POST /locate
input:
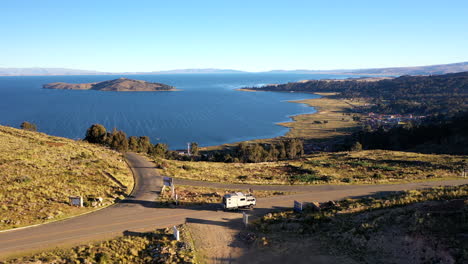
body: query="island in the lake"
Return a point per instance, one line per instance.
(117, 85)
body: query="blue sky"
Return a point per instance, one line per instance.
(253, 35)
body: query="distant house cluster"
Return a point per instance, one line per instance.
(388, 121)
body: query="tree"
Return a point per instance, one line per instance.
(242, 152)
(159, 150)
(194, 149)
(28, 126)
(144, 144)
(96, 134)
(257, 153)
(281, 150)
(294, 148)
(356, 146)
(273, 153)
(133, 143)
(119, 141)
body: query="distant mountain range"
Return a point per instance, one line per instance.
(45, 71)
(417, 70)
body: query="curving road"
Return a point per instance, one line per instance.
(138, 213)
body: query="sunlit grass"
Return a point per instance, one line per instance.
(149, 247)
(332, 119)
(39, 172)
(367, 167)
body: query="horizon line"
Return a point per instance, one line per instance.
(206, 70)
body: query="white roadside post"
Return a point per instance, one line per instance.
(172, 189)
(245, 218)
(176, 233)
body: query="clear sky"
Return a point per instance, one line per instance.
(254, 35)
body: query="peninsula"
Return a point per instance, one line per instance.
(116, 85)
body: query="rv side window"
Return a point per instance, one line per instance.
(242, 199)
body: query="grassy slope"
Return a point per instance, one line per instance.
(371, 166)
(39, 173)
(150, 247)
(417, 226)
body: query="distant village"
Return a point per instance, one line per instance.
(388, 121)
(372, 120)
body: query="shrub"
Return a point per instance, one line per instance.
(383, 167)
(119, 141)
(327, 178)
(96, 134)
(28, 126)
(23, 179)
(357, 146)
(305, 178)
(242, 177)
(347, 180)
(377, 176)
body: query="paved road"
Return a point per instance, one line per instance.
(293, 188)
(137, 213)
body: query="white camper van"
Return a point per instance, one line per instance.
(238, 200)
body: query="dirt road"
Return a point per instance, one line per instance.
(138, 213)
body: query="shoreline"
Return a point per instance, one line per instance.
(332, 118)
(306, 126)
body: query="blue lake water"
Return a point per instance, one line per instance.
(208, 110)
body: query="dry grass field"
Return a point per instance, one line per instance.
(368, 167)
(149, 247)
(38, 173)
(415, 226)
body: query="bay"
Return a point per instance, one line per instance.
(207, 110)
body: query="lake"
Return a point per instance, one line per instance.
(207, 110)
